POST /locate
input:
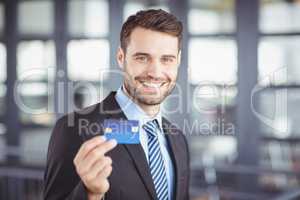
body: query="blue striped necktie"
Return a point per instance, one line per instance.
(156, 162)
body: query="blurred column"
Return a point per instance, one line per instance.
(180, 8)
(12, 111)
(61, 80)
(247, 130)
(115, 24)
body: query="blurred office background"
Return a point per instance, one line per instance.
(239, 79)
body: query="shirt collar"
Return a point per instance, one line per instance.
(132, 110)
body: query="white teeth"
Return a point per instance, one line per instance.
(155, 85)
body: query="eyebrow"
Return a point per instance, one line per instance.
(140, 54)
(169, 56)
(146, 54)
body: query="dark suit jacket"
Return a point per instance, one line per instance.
(130, 178)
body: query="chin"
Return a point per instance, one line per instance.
(151, 99)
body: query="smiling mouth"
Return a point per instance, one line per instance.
(152, 84)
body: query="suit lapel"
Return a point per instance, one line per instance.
(136, 152)
(172, 142)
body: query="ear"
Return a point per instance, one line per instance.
(120, 57)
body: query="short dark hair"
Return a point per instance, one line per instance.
(153, 19)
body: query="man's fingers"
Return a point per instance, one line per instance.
(84, 165)
(89, 146)
(103, 174)
(98, 152)
(97, 167)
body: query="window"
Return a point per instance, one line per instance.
(278, 90)
(212, 78)
(278, 112)
(33, 146)
(279, 60)
(133, 6)
(88, 50)
(36, 103)
(280, 157)
(213, 61)
(36, 17)
(88, 60)
(206, 17)
(88, 18)
(36, 70)
(279, 16)
(36, 60)
(213, 150)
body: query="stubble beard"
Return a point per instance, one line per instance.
(147, 99)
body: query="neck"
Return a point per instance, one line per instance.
(150, 110)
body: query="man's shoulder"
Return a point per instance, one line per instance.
(96, 110)
(83, 113)
(87, 121)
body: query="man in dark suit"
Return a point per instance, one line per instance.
(82, 164)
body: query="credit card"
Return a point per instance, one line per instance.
(123, 131)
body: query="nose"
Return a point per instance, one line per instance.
(154, 68)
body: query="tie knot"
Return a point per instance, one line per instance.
(150, 127)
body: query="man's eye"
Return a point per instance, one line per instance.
(167, 60)
(142, 58)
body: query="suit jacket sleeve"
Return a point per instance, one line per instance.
(61, 180)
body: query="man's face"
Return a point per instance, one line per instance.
(150, 65)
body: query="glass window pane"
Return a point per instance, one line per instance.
(210, 151)
(1, 18)
(33, 147)
(280, 156)
(87, 59)
(3, 72)
(278, 112)
(88, 18)
(211, 16)
(214, 108)
(211, 121)
(36, 17)
(279, 16)
(279, 60)
(36, 60)
(36, 103)
(131, 7)
(212, 61)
